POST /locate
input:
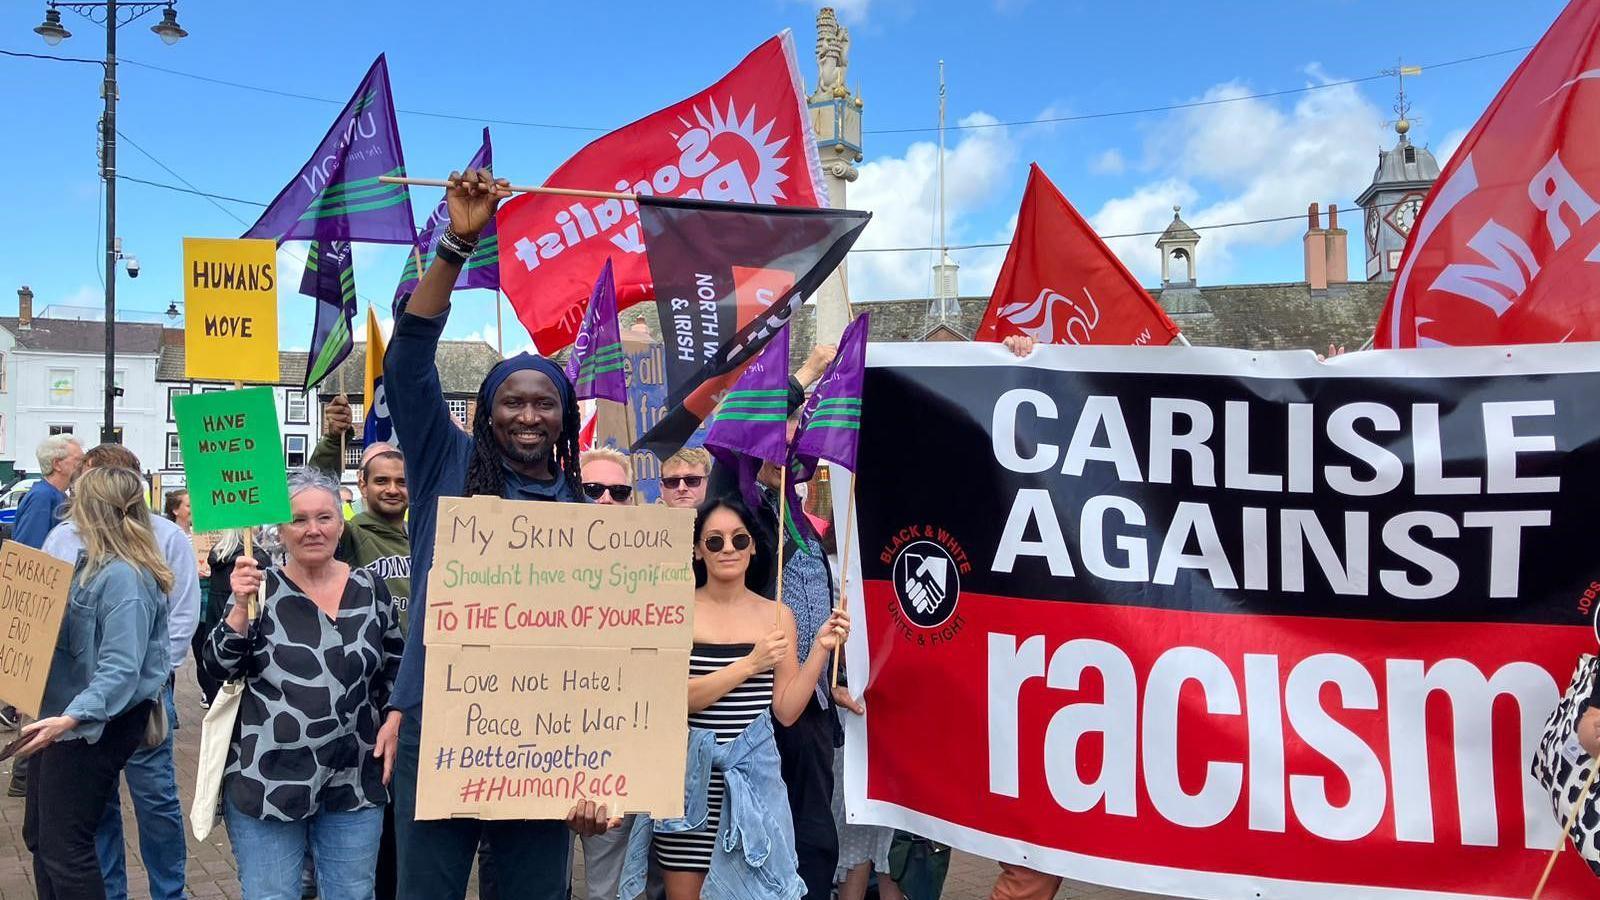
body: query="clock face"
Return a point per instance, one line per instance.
(1372, 231)
(1404, 214)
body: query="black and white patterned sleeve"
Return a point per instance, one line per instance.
(394, 643)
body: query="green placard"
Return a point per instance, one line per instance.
(233, 458)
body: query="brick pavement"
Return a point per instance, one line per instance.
(212, 873)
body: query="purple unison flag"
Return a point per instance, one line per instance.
(337, 194)
(751, 423)
(483, 269)
(331, 279)
(596, 366)
(830, 424)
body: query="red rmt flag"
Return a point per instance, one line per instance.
(746, 138)
(1061, 284)
(1506, 249)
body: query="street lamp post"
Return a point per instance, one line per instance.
(113, 15)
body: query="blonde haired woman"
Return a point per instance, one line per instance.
(109, 667)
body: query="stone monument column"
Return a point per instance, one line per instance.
(836, 121)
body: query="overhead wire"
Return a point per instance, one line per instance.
(1040, 120)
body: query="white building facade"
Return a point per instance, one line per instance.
(52, 381)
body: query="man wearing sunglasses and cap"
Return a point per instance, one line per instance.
(523, 445)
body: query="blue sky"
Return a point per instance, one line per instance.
(603, 64)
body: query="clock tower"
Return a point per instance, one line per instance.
(1391, 202)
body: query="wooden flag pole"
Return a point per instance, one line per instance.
(783, 533)
(249, 546)
(499, 331)
(515, 188)
(844, 567)
(1566, 830)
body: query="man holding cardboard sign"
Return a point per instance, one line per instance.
(523, 446)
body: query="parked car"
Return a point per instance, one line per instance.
(8, 502)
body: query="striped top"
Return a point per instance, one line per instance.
(727, 718)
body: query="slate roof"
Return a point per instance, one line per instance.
(1281, 316)
(79, 336)
(291, 365)
(1178, 232)
(462, 365)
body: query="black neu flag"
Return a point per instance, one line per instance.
(727, 277)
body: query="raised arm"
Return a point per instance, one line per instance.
(410, 373)
(795, 683)
(472, 203)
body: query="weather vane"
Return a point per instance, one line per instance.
(1402, 122)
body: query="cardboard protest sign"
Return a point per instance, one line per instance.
(558, 659)
(232, 458)
(33, 600)
(520, 573)
(230, 296)
(516, 732)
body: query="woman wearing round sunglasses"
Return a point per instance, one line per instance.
(742, 664)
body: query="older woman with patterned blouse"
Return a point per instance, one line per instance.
(309, 766)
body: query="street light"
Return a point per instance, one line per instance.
(51, 29)
(113, 14)
(169, 30)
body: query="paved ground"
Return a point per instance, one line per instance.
(211, 868)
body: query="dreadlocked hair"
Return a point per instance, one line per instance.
(486, 469)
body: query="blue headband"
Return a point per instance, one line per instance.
(525, 362)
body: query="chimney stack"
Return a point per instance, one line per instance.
(1338, 248)
(1316, 244)
(24, 307)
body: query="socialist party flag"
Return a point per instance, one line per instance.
(337, 194)
(1061, 284)
(331, 279)
(378, 426)
(1506, 246)
(746, 138)
(483, 268)
(728, 277)
(830, 423)
(751, 423)
(596, 365)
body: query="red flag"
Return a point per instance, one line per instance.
(746, 138)
(1506, 249)
(1062, 285)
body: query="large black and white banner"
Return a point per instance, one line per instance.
(1221, 623)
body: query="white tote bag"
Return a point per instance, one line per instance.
(216, 735)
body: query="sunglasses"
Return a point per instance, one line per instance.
(594, 490)
(715, 543)
(691, 482)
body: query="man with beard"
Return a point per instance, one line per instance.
(523, 445)
(375, 538)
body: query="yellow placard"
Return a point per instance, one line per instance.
(230, 296)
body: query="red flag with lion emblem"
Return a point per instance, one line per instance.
(1062, 285)
(1506, 249)
(746, 138)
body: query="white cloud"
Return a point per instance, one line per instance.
(1244, 160)
(1108, 163)
(850, 11)
(901, 193)
(1449, 146)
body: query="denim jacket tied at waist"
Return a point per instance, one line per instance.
(754, 858)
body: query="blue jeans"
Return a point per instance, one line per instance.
(532, 858)
(153, 784)
(270, 854)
